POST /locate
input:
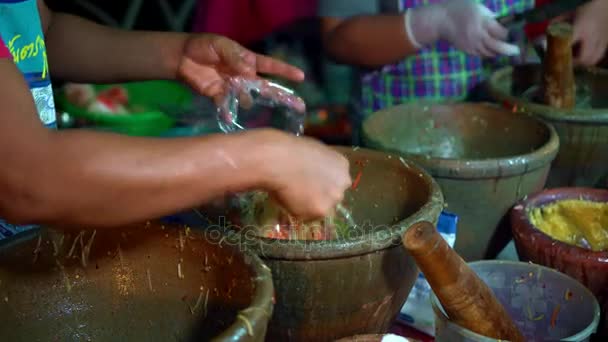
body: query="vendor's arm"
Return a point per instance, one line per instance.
(82, 51)
(355, 33)
(97, 179)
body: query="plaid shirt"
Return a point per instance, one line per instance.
(437, 72)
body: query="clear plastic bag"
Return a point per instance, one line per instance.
(249, 94)
(257, 210)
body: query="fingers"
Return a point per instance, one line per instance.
(245, 99)
(234, 57)
(494, 39)
(215, 89)
(289, 100)
(496, 30)
(203, 80)
(591, 49)
(498, 47)
(483, 50)
(589, 53)
(243, 62)
(271, 66)
(487, 37)
(486, 12)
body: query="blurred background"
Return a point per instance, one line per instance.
(286, 29)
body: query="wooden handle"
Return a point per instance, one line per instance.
(559, 86)
(466, 299)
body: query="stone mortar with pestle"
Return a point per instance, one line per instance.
(467, 300)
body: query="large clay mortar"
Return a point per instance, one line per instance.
(140, 283)
(326, 290)
(484, 158)
(583, 131)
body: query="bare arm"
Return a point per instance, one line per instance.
(82, 51)
(368, 40)
(377, 40)
(85, 178)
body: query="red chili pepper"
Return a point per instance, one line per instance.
(357, 180)
(554, 316)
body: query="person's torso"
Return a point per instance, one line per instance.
(21, 31)
(436, 72)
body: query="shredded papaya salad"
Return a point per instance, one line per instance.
(268, 219)
(257, 211)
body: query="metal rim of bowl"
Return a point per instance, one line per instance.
(588, 331)
(520, 213)
(482, 168)
(582, 116)
(387, 237)
(261, 303)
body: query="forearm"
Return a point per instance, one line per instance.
(96, 180)
(82, 51)
(369, 41)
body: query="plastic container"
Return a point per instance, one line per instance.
(156, 96)
(545, 304)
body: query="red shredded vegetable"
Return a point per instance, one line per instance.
(357, 180)
(554, 316)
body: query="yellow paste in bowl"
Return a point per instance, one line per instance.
(576, 222)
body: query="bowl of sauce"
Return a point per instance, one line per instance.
(567, 229)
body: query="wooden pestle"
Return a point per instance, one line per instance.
(466, 299)
(559, 86)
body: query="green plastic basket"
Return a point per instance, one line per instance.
(152, 95)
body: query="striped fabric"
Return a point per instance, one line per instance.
(437, 72)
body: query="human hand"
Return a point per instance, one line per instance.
(208, 60)
(466, 24)
(307, 178)
(591, 32)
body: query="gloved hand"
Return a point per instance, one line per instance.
(466, 24)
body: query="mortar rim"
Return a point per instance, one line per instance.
(387, 237)
(584, 116)
(478, 168)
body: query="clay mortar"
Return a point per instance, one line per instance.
(326, 290)
(130, 288)
(583, 131)
(484, 158)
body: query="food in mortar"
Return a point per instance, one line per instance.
(267, 218)
(576, 222)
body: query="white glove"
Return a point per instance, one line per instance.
(466, 24)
